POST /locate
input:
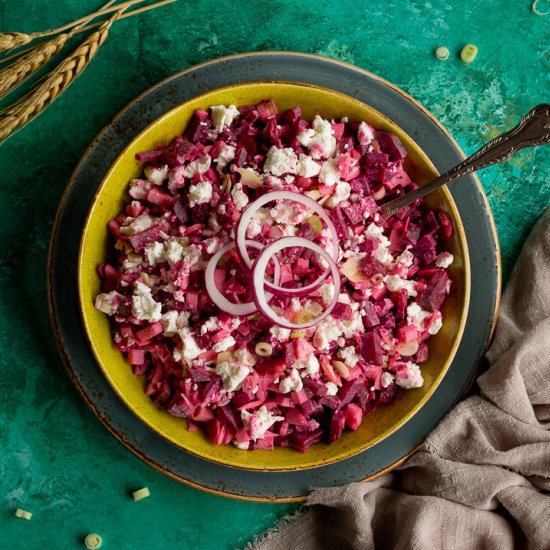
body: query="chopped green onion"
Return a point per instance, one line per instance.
(93, 541)
(263, 349)
(442, 52)
(297, 334)
(141, 493)
(23, 514)
(468, 53)
(316, 225)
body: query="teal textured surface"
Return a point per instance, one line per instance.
(55, 458)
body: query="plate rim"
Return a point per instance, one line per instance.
(51, 305)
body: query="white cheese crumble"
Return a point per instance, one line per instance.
(199, 166)
(341, 193)
(144, 306)
(259, 422)
(319, 139)
(354, 326)
(283, 212)
(332, 388)
(406, 258)
(307, 167)
(279, 333)
(281, 161)
(327, 293)
(444, 259)
(137, 225)
(108, 302)
(199, 193)
(408, 376)
(330, 173)
(239, 196)
(173, 322)
(223, 116)
(210, 325)
(382, 254)
(310, 365)
(244, 357)
(292, 382)
(386, 379)
(224, 345)
(437, 324)
(156, 175)
(395, 283)
(189, 347)
(225, 156)
(232, 375)
(327, 331)
(365, 133)
(349, 356)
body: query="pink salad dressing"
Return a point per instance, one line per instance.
(239, 347)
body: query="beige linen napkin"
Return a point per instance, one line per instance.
(482, 477)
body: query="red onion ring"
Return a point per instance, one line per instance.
(244, 222)
(258, 278)
(237, 310)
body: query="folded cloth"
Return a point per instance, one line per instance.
(482, 477)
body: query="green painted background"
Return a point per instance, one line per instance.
(56, 460)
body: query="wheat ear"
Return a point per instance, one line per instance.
(26, 109)
(10, 40)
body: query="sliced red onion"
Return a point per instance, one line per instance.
(218, 298)
(258, 278)
(247, 216)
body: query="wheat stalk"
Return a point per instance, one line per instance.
(11, 40)
(17, 72)
(25, 110)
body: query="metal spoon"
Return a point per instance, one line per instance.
(534, 129)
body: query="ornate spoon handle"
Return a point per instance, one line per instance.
(534, 129)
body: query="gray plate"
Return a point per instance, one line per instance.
(394, 103)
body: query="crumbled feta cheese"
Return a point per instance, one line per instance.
(349, 356)
(386, 379)
(199, 166)
(239, 196)
(199, 193)
(156, 175)
(332, 388)
(281, 161)
(173, 251)
(210, 325)
(189, 348)
(132, 261)
(290, 230)
(307, 167)
(381, 253)
(137, 225)
(344, 298)
(168, 321)
(408, 376)
(254, 228)
(244, 357)
(395, 283)
(155, 253)
(224, 345)
(341, 193)
(406, 258)
(327, 331)
(444, 259)
(437, 324)
(327, 293)
(310, 365)
(259, 422)
(319, 139)
(109, 302)
(292, 382)
(232, 375)
(223, 116)
(283, 212)
(330, 173)
(354, 326)
(225, 156)
(365, 133)
(144, 306)
(279, 333)
(213, 245)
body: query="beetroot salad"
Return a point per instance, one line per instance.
(254, 286)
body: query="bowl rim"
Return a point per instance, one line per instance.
(346, 453)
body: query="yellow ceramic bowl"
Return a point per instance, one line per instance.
(112, 197)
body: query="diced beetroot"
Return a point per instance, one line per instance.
(311, 407)
(295, 417)
(266, 110)
(371, 348)
(136, 357)
(339, 223)
(250, 405)
(370, 317)
(216, 431)
(353, 415)
(299, 397)
(425, 248)
(266, 443)
(387, 394)
(338, 130)
(391, 145)
(160, 197)
(302, 348)
(325, 190)
(140, 240)
(301, 267)
(342, 311)
(407, 333)
(421, 355)
(446, 224)
(371, 266)
(315, 385)
(349, 168)
(330, 401)
(242, 436)
(111, 276)
(283, 401)
(337, 424)
(349, 390)
(147, 333)
(203, 414)
(230, 417)
(302, 441)
(151, 156)
(327, 368)
(436, 290)
(400, 298)
(271, 369)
